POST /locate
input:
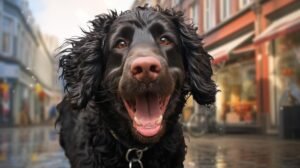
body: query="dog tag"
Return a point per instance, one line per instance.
(136, 156)
(136, 161)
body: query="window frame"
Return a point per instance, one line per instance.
(12, 34)
(225, 5)
(195, 14)
(209, 14)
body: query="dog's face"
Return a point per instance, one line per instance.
(145, 55)
(139, 65)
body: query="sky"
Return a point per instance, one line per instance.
(63, 18)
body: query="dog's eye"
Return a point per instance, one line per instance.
(121, 44)
(164, 41)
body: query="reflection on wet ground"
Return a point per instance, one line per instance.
(242, 151)
(35, 147)
(38, 148)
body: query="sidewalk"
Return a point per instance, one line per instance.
(239, 151)
(37, 147)
(31, 147)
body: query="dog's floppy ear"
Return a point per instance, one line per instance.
(197, 63)
(82, 62)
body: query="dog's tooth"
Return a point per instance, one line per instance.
(159, 120)
(137, 121)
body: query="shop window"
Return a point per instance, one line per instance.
(225, 9)
(287, 69)
(237, 100)
(209, 14)
(5, 102)
(25, 109)
(7, 35)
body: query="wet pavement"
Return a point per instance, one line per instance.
(35, 147)
(242, 151)
(38, 147)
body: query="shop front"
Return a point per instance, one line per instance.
(286, 79)
(282, 37)
(5, 102)
(235, 76)
(236, 101)
(8, 74)
(22, 98)
(22, 104)
(41, 100)
(287, 61)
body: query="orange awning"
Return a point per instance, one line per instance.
(244, 49)
(285, 25)
(222, 52)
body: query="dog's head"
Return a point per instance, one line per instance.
(142, 63)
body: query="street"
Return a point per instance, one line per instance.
(33, 147)
(37, 147)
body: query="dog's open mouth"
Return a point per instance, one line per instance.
(147, 113)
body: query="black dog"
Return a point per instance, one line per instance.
(126, 83)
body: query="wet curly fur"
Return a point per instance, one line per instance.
(89, 110)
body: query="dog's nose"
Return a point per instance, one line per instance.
(145, 69)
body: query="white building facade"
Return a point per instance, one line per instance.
(27, 71)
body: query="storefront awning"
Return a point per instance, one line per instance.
(282, 26)
(243, 49)
(222, 53)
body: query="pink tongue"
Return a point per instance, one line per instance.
(147, 112)
(147, 109)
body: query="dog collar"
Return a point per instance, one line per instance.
(133, 155)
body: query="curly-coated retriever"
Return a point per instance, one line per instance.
(126, 82)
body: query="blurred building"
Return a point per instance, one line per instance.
(163, 3)
(256, 50)
(27, 67)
